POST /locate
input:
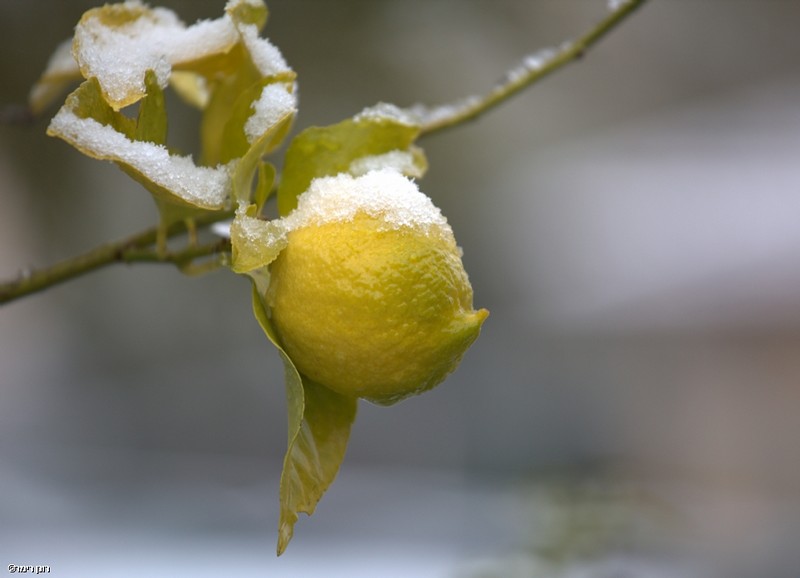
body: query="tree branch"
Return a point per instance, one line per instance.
(532, 69)
(137, 248)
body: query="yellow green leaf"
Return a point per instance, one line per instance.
(316, 450)
(330, 150)
(151, 123)
(265, 184)
(255, 243)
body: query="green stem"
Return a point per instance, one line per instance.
(532, 69)
(137, 248)
(180, 258)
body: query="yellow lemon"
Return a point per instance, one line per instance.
(369, 296)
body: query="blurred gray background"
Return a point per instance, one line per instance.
(631, 223)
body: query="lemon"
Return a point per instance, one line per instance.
(370, 297)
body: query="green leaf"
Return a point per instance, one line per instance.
(226, 91)
(326, 151)
(151, 123)
(87, 102)
(265, 183)
(319, 428)
(252, 152)
(223, 130)
(316, 451)
(255, 243)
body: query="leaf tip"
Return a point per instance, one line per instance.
(285, 533)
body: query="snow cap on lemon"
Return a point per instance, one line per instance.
(369, 295)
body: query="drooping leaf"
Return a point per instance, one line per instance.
(330, 150)
(319, 423)
(314, 455)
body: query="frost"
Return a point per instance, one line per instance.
(204, 187)
(539, 59)
(531, 63)
(387, 111)
(401, 161)
(384, 194)
(427, 115)
(274, 104)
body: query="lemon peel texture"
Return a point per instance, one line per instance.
(369, 296)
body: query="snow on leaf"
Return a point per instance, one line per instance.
(129, 52)
(118, 43)
(255, 242)
(274, 104)
(385, 111)
(102, 133)
(330, 150)
(411, 163)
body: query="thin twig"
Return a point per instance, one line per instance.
(532, 69)
(137, 248)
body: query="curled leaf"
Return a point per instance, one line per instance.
(128, 53)
(92, 126)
